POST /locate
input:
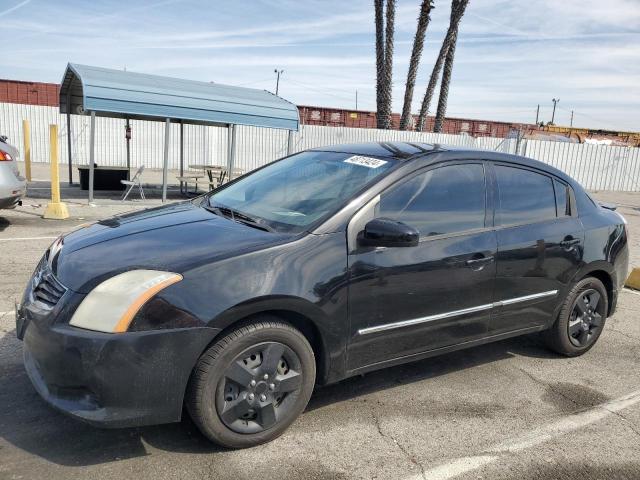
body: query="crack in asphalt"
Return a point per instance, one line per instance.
(403, 450)
(632, 426)
(620, 332)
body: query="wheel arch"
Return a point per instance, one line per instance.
(605, 273)
(297, 312)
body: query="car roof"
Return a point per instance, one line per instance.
(424, 152)
(397, 150)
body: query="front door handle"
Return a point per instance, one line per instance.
(477, 262)
(569, 242)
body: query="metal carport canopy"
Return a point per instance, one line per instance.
(122, 94)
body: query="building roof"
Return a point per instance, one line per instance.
(117, 93)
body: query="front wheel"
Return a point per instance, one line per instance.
(252, 384)
(581, 319)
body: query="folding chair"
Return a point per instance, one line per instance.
(133, 182)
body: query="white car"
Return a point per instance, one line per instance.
(12, 186)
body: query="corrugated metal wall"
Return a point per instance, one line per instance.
(597, 167)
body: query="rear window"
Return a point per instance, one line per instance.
(523, 196)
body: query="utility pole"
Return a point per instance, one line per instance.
(537, 114)
(553, 115)
(356, 99)
(571, 119)
(278, 73)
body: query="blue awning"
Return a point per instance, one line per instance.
(123, 94)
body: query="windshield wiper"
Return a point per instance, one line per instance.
(239, 217)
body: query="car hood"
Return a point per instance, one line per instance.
(173, 238)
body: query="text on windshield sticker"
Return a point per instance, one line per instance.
(365, 161)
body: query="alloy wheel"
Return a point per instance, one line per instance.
(259, 387)
(586, 317)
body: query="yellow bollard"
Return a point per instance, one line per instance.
(26, 133)
(55, 210)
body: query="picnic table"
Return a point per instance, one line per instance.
(217, 174)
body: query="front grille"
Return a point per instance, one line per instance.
(46, 289)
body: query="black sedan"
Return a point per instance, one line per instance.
(326, 264)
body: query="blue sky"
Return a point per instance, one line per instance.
(511, 56)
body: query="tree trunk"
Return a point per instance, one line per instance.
(416, 53)
(384, 121)
(379, 7)
(457, 11)
(444, 86)
(458, 8)
(433, 81)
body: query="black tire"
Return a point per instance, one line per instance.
(571, 336)
(218, 390)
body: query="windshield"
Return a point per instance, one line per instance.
(291, 194)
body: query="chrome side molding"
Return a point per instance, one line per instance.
(510, 301)
(455, 313)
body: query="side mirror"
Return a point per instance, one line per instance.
(384, 232)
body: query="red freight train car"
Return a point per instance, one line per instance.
(336, 117)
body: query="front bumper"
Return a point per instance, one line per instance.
(109, 380)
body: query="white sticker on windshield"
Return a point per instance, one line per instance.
(365, 161)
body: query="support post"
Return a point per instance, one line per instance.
(290, 142)
(92, 155)
(232, 151)
(127, 129)
(181, 152)
(55, 210)
(165, 163)
(26, 133)
(69, 138)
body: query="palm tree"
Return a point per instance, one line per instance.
(444, 85)
(379, 9)
(384, 61)
(416, 53)
(457, 11)
(433, 80)
(388, 64)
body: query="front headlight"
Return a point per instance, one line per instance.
(111, 306)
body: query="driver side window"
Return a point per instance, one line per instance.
(440, 201)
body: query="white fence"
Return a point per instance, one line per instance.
(597, 167)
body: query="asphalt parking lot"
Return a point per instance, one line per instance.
(510, 410)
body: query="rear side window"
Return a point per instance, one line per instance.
(523, 196)
(440, 201)
(563, 205)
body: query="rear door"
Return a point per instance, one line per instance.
(540, 246)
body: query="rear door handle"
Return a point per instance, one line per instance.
(476, 262)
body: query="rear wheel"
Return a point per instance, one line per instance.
(252, 384)
(581, 319)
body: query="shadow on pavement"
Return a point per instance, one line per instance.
(29, 424)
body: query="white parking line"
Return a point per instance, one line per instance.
(25, 239)
(543, 434)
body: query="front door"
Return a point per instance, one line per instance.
(404, 301)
